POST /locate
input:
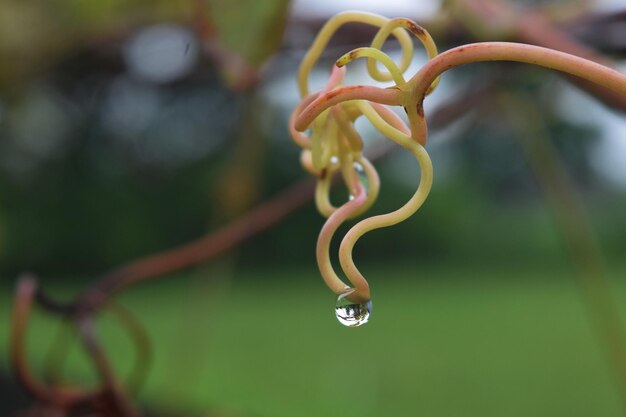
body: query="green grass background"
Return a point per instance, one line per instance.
(443, 341)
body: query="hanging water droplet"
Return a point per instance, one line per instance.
(352, 314)
(365, 182)
(350, 197)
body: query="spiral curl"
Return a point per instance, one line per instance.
(333, 146)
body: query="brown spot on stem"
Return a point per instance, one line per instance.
(323, 173)
(331, 94)
(352, 54)
(420, 110)
(415, 29)
(334, 93)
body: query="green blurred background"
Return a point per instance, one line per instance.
(130, 127)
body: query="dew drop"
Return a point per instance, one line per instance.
(334, 160)
(352, 314)
(358, 168)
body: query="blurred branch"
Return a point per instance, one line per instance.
(57, 353)
(139, 337)
(605, 31)
(116, 400)
(24, 296)
(576, 232)
(108, 401)
(495, 16)
(214, 244)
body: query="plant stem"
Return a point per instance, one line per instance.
(517, 52)
(531, 26)
(388, 219)
(24, 297)
(331, 26)
(362, 292)
(389, 96)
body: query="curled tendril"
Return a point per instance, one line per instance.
(418, 31)
(376, 55)
(333, 146)
(329, 29)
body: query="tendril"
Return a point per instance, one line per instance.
(334, 148)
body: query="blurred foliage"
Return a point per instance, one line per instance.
(94, 155)
(253, 29)
(36, 35)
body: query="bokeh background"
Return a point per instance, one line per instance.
(130, 127)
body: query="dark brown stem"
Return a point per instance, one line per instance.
(25, 294)
(139, 337)
(56, 356)
(113, 393)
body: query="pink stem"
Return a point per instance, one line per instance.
(323, 247)
(391, 118)
(517, 52)
(354, 92)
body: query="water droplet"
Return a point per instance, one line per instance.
(352, 314)
(334, 160)
(350, 197)
(358, 168)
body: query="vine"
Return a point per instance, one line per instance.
(334, 145)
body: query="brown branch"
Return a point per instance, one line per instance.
(139, 337)
(57, 353)
(24, 296)
(114, 398)
(109, 398)
(196, 252)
